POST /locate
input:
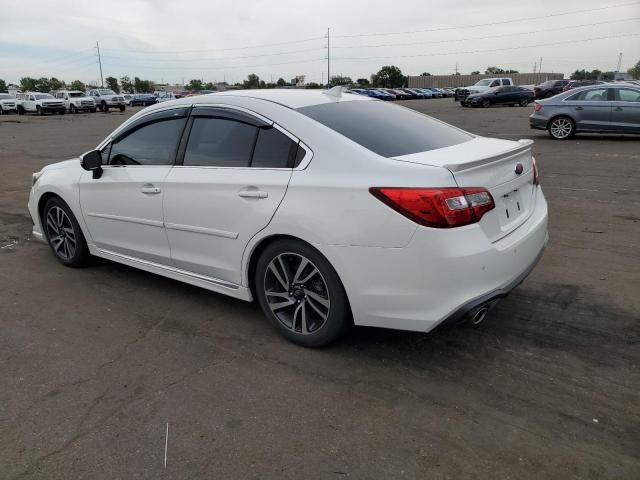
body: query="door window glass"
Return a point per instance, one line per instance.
(219, 142)
(151, 144)
(628, 95)
(595, 95)
(273, 149)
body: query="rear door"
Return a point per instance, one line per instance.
(625, 112)
(591, 109)
(234, 174)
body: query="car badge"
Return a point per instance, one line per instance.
(519, 169)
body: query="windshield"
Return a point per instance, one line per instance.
(76, 94)
(405, 131)
(42, 96)
(4, 96)
(106, 92)
(484, 83)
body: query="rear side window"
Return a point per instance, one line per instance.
(628, 95)
(273, 149)
(595, 95)
(388, 130)
(219, 142)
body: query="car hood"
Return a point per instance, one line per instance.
(61, 165)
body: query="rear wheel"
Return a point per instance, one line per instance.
(63, 233)
(486, 103)
(561, 128)
(301, 294)
(122, 108)
(524, 102)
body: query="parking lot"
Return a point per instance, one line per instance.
(96, 362)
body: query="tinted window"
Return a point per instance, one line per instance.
(628, 95)
(595, 95)
(495, 83)
(151, 144)
(506, 82)
(218, 142)
(273, 149)
(388, 130)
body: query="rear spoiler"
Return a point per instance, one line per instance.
(525, 144)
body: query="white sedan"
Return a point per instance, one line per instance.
(328, 208)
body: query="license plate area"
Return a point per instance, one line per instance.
(512, 207)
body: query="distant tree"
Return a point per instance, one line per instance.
(55, 84)
(28, 84)
(457, 73)
(77, 85)
(313, 85)
(43, 85)
(498, 71)
(263, 84)
(112, 83)
(425, 74)
(340, 80)
(270, 85)
(252, 81)
(635, 71)
(126, 85)
(281, 82)
(363, 82)
(143, 86)
(210, 86)
(592, 75)
(195, 85)
(3, 85)
(607, 76)
(475, 72)
(388, 76)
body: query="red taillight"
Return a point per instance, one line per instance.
(537, 106)
(536, 175)
(437, 207)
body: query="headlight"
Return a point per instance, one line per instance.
(35, 177)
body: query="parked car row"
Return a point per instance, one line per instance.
(403, 93)
(509, 95)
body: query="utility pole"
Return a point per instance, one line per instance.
(619, 62)
(456, 69)
(328, 59)
(100, 63)
(540, 65)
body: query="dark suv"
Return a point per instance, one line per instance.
(549, 88)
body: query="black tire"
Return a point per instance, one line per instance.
(327, 321)
(486, 103)
(20, 110)
(73, 250)
(39, 110)
(1, 111)
(524, 102)
(73, 109)
(561, 127)
(93, 110)
(104, 107)
(122, 108)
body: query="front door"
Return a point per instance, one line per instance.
(123, 208)
(235, 172)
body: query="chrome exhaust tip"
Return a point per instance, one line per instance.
(478, 316)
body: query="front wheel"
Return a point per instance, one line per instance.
(524, 102)
(486, 103)
(561, 128)
(301, 294)
(39, 111)
(104, 107)
(73, 109)
(63, 233)
(122, 108)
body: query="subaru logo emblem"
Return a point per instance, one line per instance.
(519, 169)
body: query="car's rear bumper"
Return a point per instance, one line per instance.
(442, 274)
(537, 122)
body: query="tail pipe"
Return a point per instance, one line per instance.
(477, 316)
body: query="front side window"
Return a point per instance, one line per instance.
(151, 144)
(219, 142)
(628, 95)
(495, 83)
(388, 130)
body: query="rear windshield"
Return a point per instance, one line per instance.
(388, 130)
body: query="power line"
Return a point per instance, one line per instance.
(476, 25)
(491, 49)
(487, 36)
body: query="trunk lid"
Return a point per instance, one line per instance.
(494, 165)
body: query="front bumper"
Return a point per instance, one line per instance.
(53, 109)
(441, 274)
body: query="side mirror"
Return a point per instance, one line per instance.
(92, 161)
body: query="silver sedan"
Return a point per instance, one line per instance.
(608, 108)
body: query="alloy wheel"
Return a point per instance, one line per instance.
(61, 233)
(561, 128)
(297, 293)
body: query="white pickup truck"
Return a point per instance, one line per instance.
(76, 101)
(7, 103)
(40, 103)
(482, 85)
(106, 99)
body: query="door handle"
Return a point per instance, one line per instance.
(150, 189)
(253, 194)
(579, 108)
(618, 109)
